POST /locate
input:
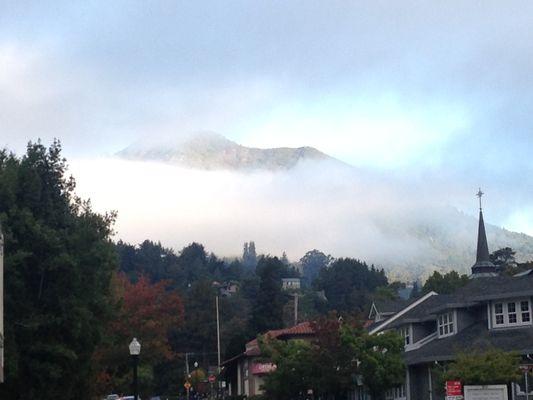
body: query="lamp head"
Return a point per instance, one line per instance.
(135, 347)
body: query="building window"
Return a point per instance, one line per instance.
(512, 313)
(446, 324)
(524, 309)
(405, 332)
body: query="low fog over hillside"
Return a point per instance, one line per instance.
(319, 204)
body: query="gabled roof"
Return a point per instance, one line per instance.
(474, 337)
(302, 329)
(387, 307)
(391, 305)
(384, 324)
(524, 273)
(421, 312)
(489, 288)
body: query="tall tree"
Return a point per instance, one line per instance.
(147, 311)
(327, 363)
(249, 256)
(444, 284)
(58, 264)
(267, 311)
(348, 284)
(312, 262)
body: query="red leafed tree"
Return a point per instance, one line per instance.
(146, 311)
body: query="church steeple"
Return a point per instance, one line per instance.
(483, 265)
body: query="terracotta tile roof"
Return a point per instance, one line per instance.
(302, 329)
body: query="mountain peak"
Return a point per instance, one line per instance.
(213, 151)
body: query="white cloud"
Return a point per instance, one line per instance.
(342, 211)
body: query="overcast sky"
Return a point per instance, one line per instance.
(439, 93)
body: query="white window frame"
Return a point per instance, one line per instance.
(506, 314)
(447, 324)
(406, 332)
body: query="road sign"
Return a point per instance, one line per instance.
(187, 385)
(212, 378)
(454, 390)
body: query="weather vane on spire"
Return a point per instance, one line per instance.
(480, 194)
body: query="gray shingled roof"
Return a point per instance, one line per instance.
(476, 336)
(391, 306)
(475, 291)
(490, 288)
(422, 312)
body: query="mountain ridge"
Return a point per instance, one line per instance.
(212, 151)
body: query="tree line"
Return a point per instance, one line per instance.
(74, 297)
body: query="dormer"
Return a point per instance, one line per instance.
(509, 313)
(447, 323)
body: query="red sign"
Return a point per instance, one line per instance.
(212, 378)
(262, 368)
(454, 388)
(526, 368)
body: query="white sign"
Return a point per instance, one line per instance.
(486, 392)
(456, 397)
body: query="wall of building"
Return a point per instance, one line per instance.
(420, 331)
(419, 382)
(469, 316)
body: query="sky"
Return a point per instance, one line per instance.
(438, 95)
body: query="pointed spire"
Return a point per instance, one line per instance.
(482, 245)
(483, 265)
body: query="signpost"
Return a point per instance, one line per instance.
(454, 390)
(187, 386)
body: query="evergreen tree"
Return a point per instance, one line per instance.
(58, 265)
(348, 284)
(312, 262)
(444, 284)
(267, 311)
(249, 256)
(284, 259)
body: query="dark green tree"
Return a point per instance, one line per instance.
(249, 256)
(327, 363)
(295, 368)
(348, 284)
(267, 312)
(503, 257)
(444, 284)
(484, 367)
(312, 262)
(378, 358)
(58, 263)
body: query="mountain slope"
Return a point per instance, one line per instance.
(211, 151)
(444, 239)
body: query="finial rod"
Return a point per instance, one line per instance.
(480, 194)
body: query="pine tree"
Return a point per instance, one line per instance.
(58, 264)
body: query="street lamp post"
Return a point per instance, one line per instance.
(135, 350)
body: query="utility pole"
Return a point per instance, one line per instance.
(218, 335)
(296, 309)
(218, 343)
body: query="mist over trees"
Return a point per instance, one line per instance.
(74, 298)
